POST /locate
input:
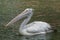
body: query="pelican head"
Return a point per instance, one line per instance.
(20, 16)
(29, 9)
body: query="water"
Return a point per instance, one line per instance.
(44, 11)
(38, 37)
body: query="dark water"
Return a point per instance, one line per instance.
(48, 11)
(41, 37)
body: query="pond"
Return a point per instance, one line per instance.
(47, 11)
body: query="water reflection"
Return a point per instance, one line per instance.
(38, 37)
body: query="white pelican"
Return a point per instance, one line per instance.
(34, 28)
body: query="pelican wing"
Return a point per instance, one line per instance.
(37, 27)
(33, 29)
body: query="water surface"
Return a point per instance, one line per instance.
(45, 10)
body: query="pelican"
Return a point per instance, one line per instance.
(34, 28)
